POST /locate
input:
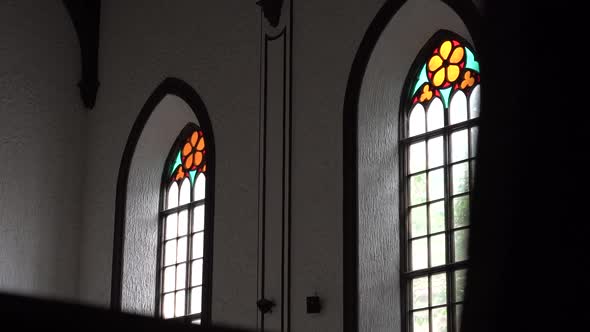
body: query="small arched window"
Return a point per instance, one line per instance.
(438, 139)
(183, 232)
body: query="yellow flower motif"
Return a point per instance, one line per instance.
(445, 64)
(426, 94)
(468, 80)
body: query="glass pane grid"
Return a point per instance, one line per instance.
(424, 221)
(177, 248)
(429, 222)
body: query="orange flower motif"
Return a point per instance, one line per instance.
(180, 174)
(193, 152)
(445, 64)
(426, 94)
(468, 80)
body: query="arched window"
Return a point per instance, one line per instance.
(183, 229)
(439, 119)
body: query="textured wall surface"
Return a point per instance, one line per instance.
(214, 47)
(378, 156)
(42, 125)
(143, 195)
(326, 37)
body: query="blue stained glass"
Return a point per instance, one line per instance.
(445, 93)
(470, 62)
(192, 174)
(177, 162)
(422, 78)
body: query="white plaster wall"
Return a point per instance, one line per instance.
(42, 127)
(213, 46)
(378, 177)
(143, 197)
(326, 37)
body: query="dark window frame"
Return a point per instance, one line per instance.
(405, 141)
(207, 235)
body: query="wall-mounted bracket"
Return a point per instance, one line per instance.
(85, 15)
(272, 10)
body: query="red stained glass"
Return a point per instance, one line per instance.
(455, 43)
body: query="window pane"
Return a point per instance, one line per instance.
(418, 189)
(197, 273)
(171, 226)
(196, 321)
(419, 254)
(196, 295)
(198, 245)
(172, 196)
(418, 221)
(169, 278)
(185, 192)
(168, 307)
(437, 217)
(460, 279)
(458, 314)
(435, 114)
(439, 320)
(199, 218)
(458, 108)
(461, 238)
(460, 178)
(420, 293)
(437, 250)
(417, 120)
(474, 102)
(439, 289)
(180, 299)
(474, 132)
(435, 152)
(417, 157)
(170, 253)
(181, 277)
(182, 223)
(200, 187)
(420, 321)
(436, 184)
(461, 211)
(459, 145)
(181, 252)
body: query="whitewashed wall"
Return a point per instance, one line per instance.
(42, 130)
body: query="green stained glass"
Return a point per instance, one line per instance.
(193, 174)
(422, 78)
(177, 163)
(470, 62)
(445, 93)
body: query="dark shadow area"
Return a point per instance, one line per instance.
(20, 312)
(529, 227)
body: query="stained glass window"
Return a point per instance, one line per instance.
(439, 133)
(183, 235)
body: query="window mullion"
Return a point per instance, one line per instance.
(448, 217)
(189, 239)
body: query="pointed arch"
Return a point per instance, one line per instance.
(471, 17)
(182, 90)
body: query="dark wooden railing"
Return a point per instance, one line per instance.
(21, 313)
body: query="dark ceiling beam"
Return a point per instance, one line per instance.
(85, 15)
(272, 10)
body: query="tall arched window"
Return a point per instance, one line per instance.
(438, 138)
(183, 232)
